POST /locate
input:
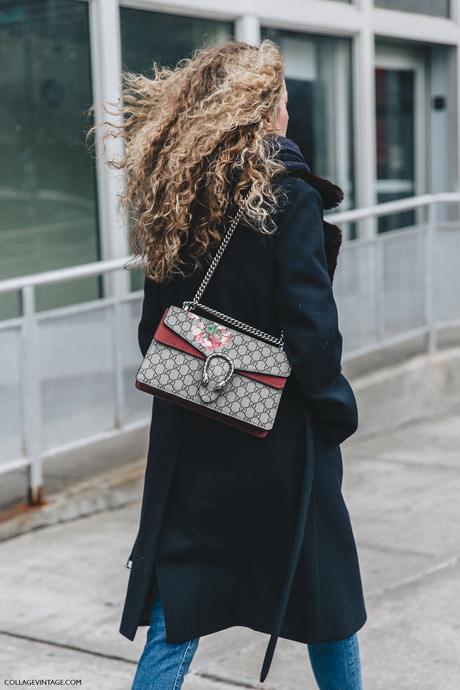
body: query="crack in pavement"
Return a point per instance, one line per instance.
(222, 680)
(439, 567)
(63, 645)
(395, 550)
(115, 657)
(400, 462)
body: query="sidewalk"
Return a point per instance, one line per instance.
(60, 610)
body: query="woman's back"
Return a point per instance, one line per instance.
(239, 530)
(233, 498)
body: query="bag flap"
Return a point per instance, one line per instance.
(248, 353)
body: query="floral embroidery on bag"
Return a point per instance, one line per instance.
(212, 335)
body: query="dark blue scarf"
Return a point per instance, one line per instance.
(289, 153)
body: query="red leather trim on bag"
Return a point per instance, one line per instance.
(207, 412)
(167, 336)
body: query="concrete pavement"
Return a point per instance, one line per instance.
(60, 611)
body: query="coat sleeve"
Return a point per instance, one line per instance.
(308, 313)
(152, 311)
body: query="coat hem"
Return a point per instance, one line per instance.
(287, 635)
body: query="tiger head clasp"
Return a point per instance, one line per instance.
(210, 388)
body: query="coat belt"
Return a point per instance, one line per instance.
(307, 484)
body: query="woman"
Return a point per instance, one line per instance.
(237, 530)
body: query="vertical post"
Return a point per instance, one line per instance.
(31, 399)
(430, 320)
(364, 117)
(118, 382)
(342, 126)
(247, 28)
(455, 14)
(106, 71)
(379, 288)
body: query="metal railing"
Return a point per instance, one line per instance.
(67, 373)
(411, 288)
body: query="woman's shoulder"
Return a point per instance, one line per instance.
(300, 222)
(294, 191)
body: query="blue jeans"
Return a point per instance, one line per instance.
(162, 666)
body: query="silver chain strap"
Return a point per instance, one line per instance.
(189, 305)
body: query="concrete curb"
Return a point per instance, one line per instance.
(107, 491)
(425, 386)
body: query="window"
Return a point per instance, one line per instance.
(166, 38)
(318, 79)
(395, 126)
(48, 215)
(435, 8)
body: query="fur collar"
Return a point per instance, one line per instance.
(331, 194)
(290, 154)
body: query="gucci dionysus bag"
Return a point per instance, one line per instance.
(233, 375)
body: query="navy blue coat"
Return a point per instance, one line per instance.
(220, 509)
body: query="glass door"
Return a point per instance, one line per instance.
(319, 82)
(400, 130)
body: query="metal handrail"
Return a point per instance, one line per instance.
(29, 324)
(110, 265)
(389, 207)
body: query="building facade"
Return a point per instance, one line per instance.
(373, 100)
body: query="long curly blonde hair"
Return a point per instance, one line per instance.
(195, 140)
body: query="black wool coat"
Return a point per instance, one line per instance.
(221, 512)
